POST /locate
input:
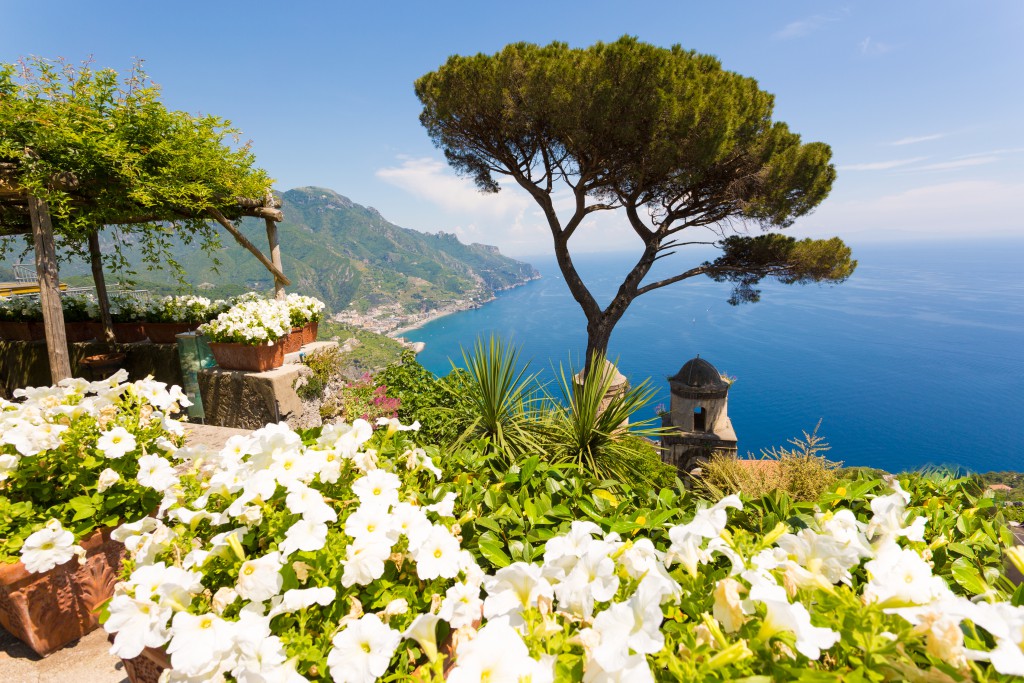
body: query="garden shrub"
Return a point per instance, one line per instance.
(360, 399)
(803, 471)
(326, 365)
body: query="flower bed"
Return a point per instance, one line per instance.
(74, 459)
(347, 555)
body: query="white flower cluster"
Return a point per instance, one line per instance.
(185, 309)
(251, 322)
(152, 608)
(304, 309)
(610, 593)
(39, 422)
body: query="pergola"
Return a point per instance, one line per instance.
(21, 213)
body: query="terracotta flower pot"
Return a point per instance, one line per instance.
(293, 342)
(248, 357)
(164, 333)
(49, 610)
(83, 331)
(309, 332)
(129, 333)
(147, 667)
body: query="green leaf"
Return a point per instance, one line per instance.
(492, 548)
(968, 577)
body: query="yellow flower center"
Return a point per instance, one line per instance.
(248, 570)
(377, 491)
(366, 646)
(438, 553)
(206, 623)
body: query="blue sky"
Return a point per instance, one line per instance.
(922, 101)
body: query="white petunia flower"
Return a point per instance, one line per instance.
(362, 651)
(513, 589)
(260, 579)
(47, 548)
(444, 507)
(899, 577)
(156, 473)
(200, 644)
(377, 487)
(792, 618)
(497, 655)
(300, 598)
(108, 478)
(304, 535)
(364, 563)
(438, 555)
(116, 442)
(424, 631)
(461, 605)
(137, 624)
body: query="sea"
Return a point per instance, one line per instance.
(917, 360)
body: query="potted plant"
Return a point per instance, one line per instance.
(171, 315)
(305, 312)
(128, 314)
(81, 317)
(247, 336)
(76, 460)
(21, 318)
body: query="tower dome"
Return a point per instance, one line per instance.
(697, 376)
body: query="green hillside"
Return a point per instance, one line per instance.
(345, 254)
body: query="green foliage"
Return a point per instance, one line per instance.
(425, 398)
(802, 472)
(587, 431)
(101, 149)
(498, 403)
(326, 364)
(666, 134)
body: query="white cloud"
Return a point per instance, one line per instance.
(881, 165)
(432, 180)
(974, 208)
(868, 46)
(803, 27)
(916, 139)
(959, 163)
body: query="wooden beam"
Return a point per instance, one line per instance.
(96, 259)
(49, 290)
(264, 212)
(275, 256)
(241, 239)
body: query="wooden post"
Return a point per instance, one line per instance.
(96, 258)
(275, 256)
(49, 290)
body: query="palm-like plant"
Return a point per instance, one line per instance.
(496, 400)
(588, 428)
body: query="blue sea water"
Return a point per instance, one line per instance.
(917, 360)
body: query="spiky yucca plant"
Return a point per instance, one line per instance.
(580, 431)
(497, 400)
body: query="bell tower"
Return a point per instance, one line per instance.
(698, 417)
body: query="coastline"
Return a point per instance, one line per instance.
(391, 322)
(438, 313)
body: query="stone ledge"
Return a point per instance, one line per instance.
(250, 400)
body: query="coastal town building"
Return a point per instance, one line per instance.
(698, 416)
